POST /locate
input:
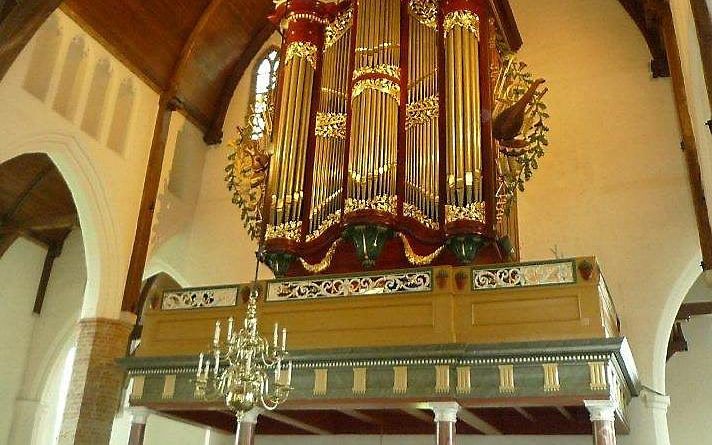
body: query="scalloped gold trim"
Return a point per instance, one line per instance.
(324, 263)
(465, 19)
(415, 259)
(303, 50)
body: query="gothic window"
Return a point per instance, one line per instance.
(264, 81)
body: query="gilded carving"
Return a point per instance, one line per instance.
(383, 69)
(422, 112)
(290, 230)
(336, 29)
(465, 19)
(382, 202)
(385, 86)
(246, 173)
(414, 212)
(331, 125)
(303, 50)
(329, 221)
(414, 258)
(426, 11)
(324, 263)
(473, 212)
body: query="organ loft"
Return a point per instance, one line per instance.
(379, 182)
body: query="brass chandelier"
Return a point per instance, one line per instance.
(246, 369)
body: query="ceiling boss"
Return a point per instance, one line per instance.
(401, 124)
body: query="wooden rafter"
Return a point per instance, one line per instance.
(53, 252)
(154, 168)
(703, 24)
(477, 423)
(280, 417)
(215, 133)
(639, 11)
(689, 142)
(19, 22)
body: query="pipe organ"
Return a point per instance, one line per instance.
(383, 136)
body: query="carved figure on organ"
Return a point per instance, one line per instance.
(508, 124)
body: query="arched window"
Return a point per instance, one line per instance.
(264, 81)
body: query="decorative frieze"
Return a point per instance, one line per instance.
(169, 386)
(359, 386)
(321, 377)
(599, 378)
(464, 385)
(138, 382)
(400, 379)
(524, 275)
(506, 379)
(442, 379)
(551, 377)
(199, 298)
(329, 287)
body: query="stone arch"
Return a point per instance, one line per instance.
(680, 289)
(104, 279)
(71, 79)
(44, 59)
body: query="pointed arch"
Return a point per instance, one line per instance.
(104, 279)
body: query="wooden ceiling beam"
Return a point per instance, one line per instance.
(41, 223)
(6, 241)
(53, 252)
(279, 417)
(564, 412)
(24, 195)
(689, 310)
(354, 414)
(215, 132)
(524, 413)
(649, 26)
(418, 414)
(703, 23)
(19, 23)
(477, 423)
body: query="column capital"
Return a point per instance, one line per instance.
(445, 411)
(655, 401)
(251, 415)
(601, 410)
(139, 414)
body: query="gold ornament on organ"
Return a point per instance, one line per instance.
(389, 119)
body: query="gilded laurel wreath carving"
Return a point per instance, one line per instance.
(246, 174)
(519, 127)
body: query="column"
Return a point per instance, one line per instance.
(95, 387)
(603, 418)
(246, 428)
(654, 415)
(139, 415)
(445, 419)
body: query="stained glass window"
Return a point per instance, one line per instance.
(265, 80)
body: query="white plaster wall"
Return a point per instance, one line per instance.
(37, 344)
(162, 430)
(20, 271)
(613, 182)
(106, 183)
(214, 247)
(689, 385)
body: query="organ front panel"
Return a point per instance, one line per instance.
(383, 135)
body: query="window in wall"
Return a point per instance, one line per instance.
(265, 79)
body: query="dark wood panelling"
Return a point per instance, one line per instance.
(35, 202)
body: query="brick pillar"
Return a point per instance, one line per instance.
(95, 388)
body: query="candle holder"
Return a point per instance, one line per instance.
(243, 368)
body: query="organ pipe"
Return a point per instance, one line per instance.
(379, 119)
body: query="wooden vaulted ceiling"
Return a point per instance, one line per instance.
(196, 51)
(193, 50)
(35, 202)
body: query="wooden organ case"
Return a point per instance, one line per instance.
(381, 152)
